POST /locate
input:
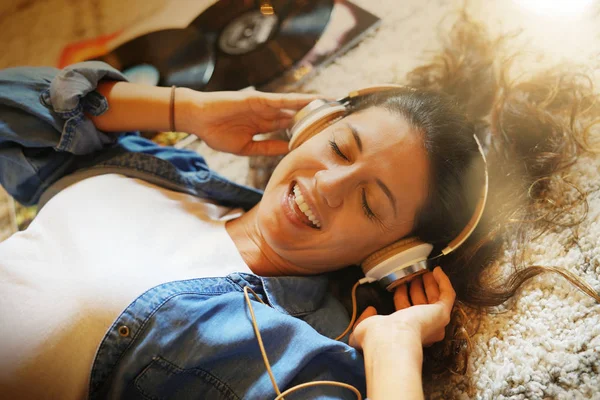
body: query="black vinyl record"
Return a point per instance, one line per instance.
(181, 57)
(254, 41)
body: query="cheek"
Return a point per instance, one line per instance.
(267, 223)
(361, 237)
(289, 166)
(309, 157)
(352, 235)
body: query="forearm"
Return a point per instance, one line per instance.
(135, 107)
(393, 367)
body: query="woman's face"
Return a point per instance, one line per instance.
(362, 179)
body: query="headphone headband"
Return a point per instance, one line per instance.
(378, 88)
(472, 224)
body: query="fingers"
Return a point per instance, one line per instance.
(423, 289)
(274, 114)
(291, 101)
(401, 300)
(447, 293)
(285, 113)
(431, 288)
(265, 148)
(281, 120)
(417, 292)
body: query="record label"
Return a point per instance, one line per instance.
(246, 32)
(144, 74)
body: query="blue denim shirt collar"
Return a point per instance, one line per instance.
(292, 295)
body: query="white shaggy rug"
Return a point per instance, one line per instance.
(547, 345)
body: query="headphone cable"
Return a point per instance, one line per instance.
(264, 353)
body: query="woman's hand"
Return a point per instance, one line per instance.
(432, 298)
(392, 344)
(228, 121)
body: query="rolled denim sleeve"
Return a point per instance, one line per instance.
(43, 123)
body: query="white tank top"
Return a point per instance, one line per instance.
(93, 249)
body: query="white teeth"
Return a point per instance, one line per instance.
(299, 199)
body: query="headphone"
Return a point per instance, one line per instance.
(406, 258)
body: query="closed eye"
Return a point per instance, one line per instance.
(337, 150)
(365, 205)
(368, 212)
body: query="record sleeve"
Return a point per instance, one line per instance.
(348, 25)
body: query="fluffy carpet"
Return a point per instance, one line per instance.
(546, 345)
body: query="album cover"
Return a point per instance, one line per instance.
(347, 26)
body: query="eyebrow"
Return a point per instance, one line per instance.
(355, 135)
(380, 183)
(388, 193)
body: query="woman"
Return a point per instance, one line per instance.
(97, 260)
(94, 305)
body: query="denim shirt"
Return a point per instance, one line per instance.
(189, 339)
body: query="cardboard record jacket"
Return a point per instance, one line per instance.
(256, 41)
(181, 57)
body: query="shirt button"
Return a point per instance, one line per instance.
(123, 331)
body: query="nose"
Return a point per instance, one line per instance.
(333, 185)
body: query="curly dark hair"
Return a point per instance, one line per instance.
(533, 129)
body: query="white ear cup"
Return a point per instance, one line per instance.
(313, 120)
(397, 262)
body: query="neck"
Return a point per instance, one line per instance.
(256, 253)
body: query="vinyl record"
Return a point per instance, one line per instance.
(180, 56)
(254, 41)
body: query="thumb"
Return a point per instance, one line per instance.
(369, 312)
(353, 340)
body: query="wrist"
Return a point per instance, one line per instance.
(400, 338)
(186, 109)
(393, 364)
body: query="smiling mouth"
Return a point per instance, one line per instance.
(301, 208)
